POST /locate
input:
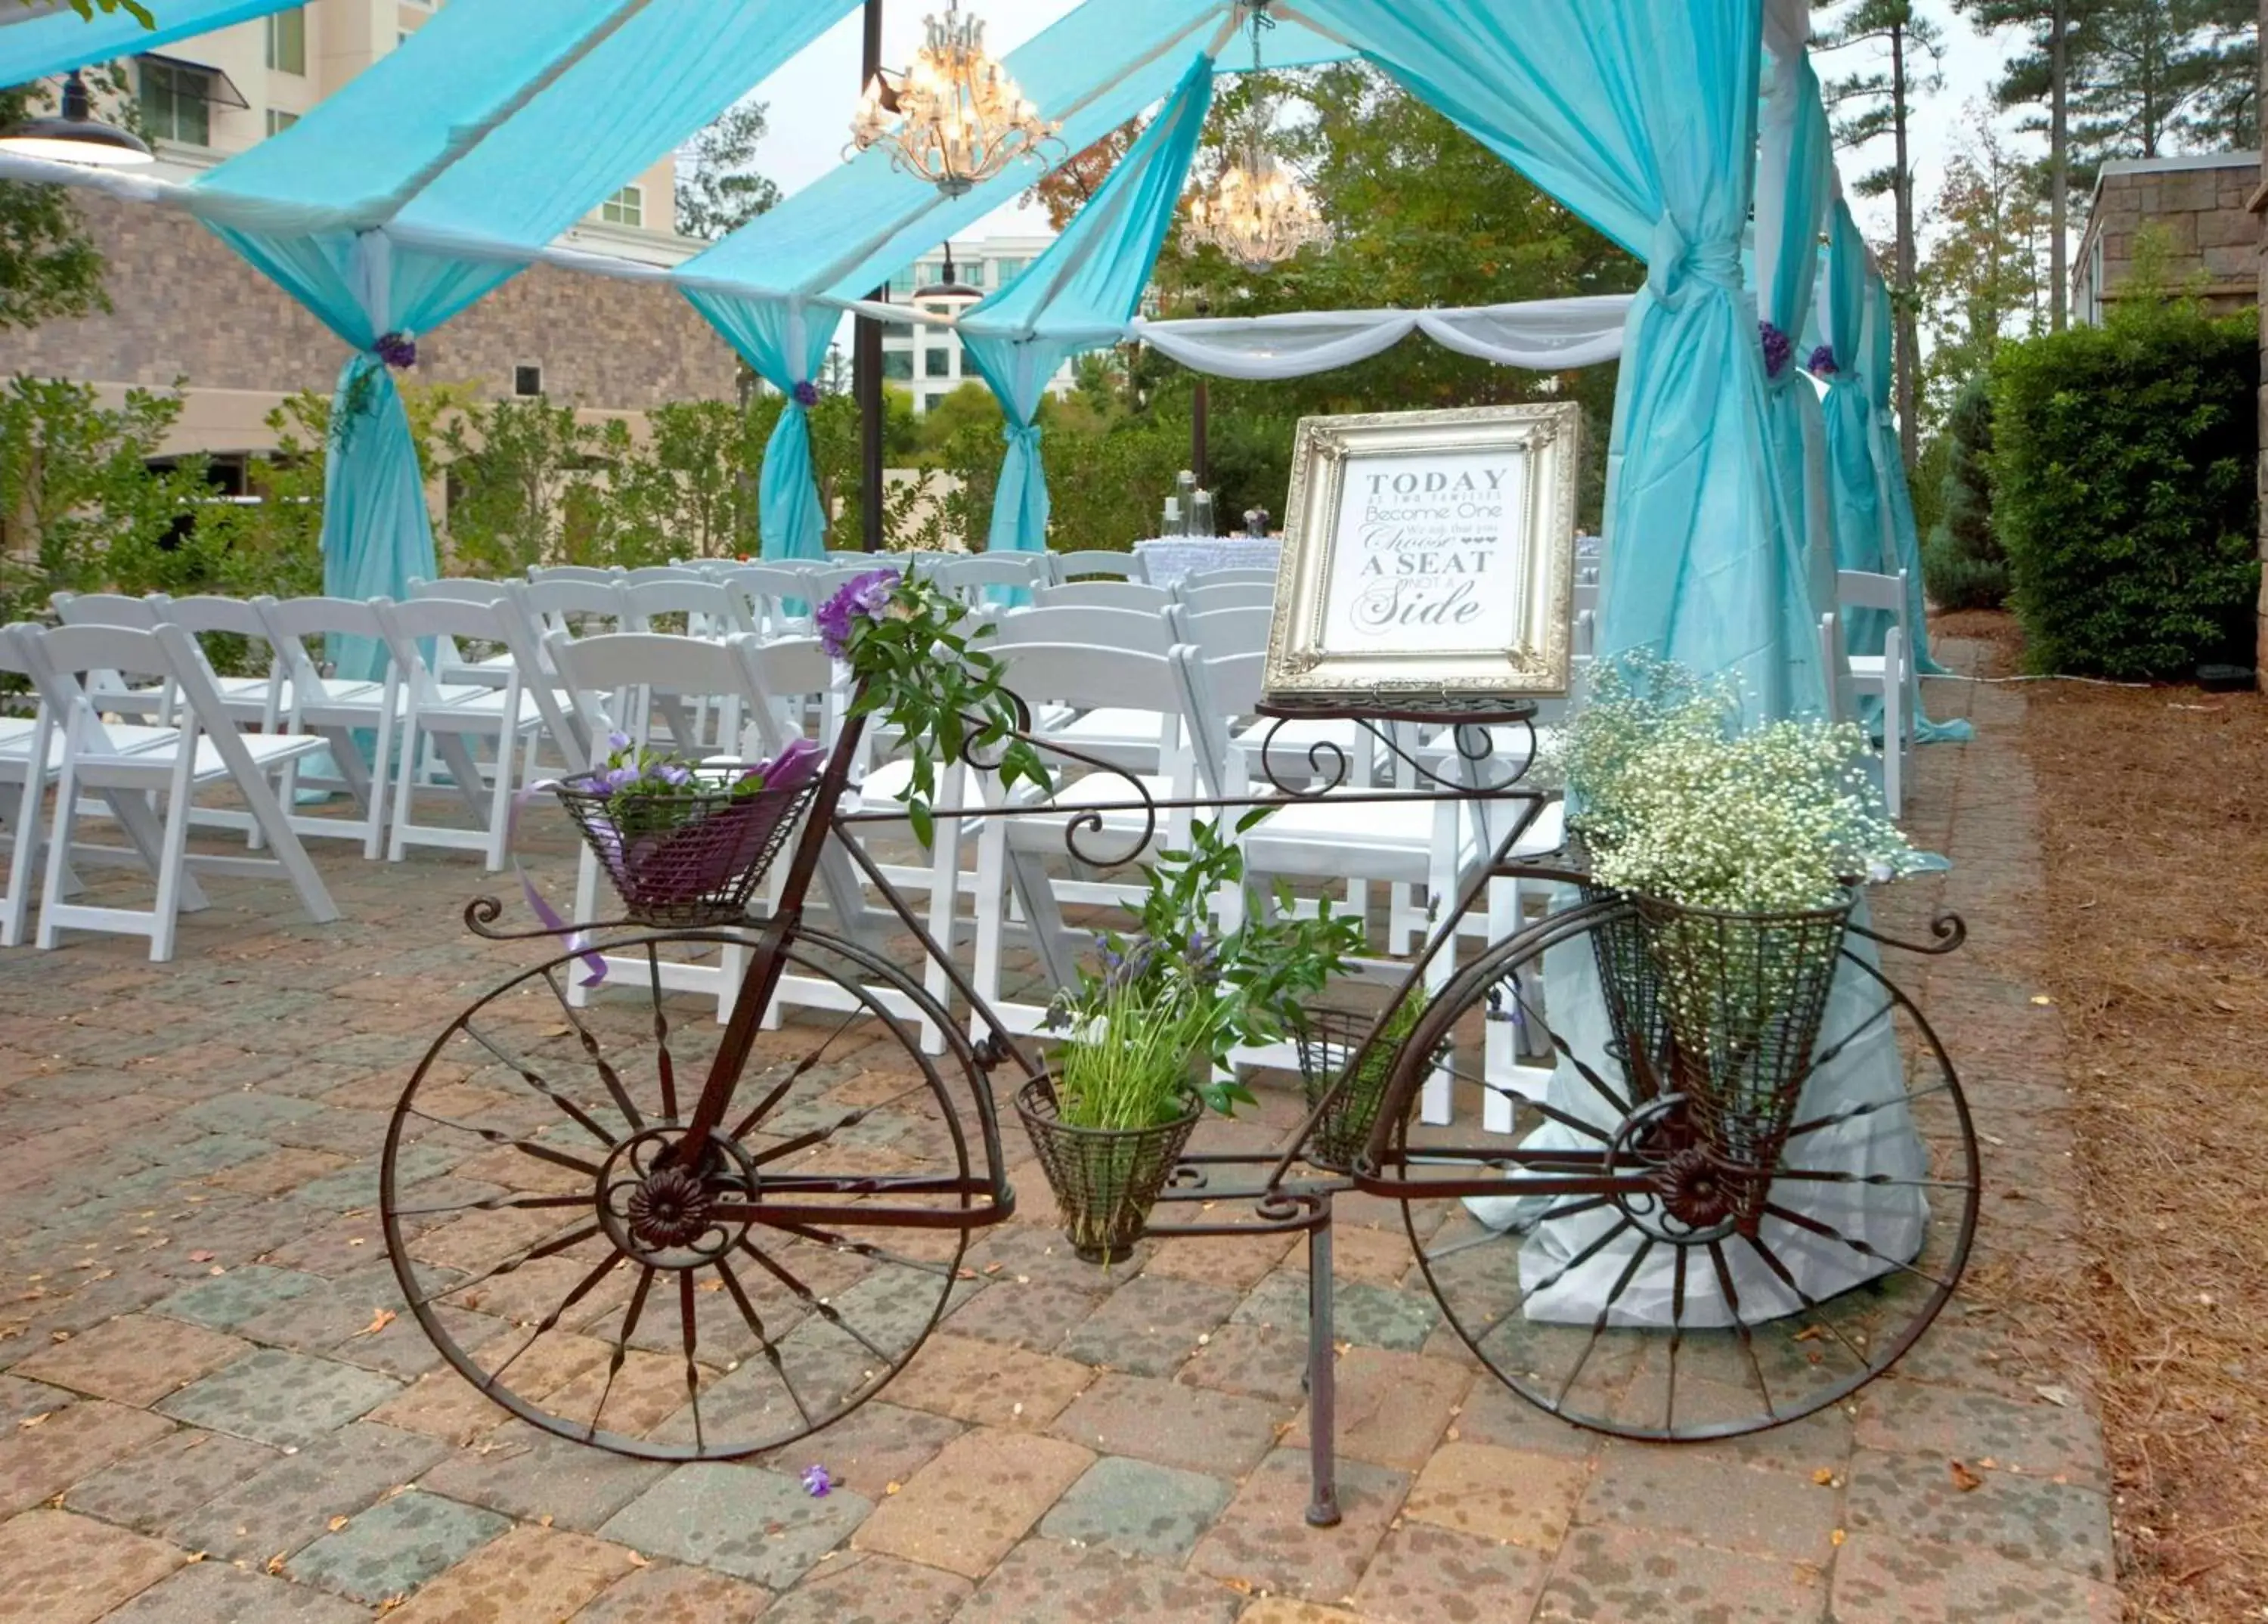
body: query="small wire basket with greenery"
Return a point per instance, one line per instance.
(684, 844)
(1146, 1036)
(1331, 1041)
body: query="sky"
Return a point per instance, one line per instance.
(810, 102)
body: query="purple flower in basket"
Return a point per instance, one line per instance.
(674, 773)
(618, 742)
(398, 351)
(1778, 347)
(1821, 364)
(867, 596)
(805, 395)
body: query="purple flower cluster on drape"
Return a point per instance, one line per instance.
(861, 597)
(1821, 364)
(805, 395)
(398, 351)
(1778, 349)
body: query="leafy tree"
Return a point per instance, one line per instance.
(718, 189)
(86, 9)
(1868, 105)
(47, 266)
(2040, 76)
(1064, 189)
(1982, 278)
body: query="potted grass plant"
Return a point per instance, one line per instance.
(1331, 1052)
(1144, 1038)
(1741, 852)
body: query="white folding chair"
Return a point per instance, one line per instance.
(454, 716)
(1096, 564)
(1125, 594)
(448, 664)
(205, 749)
(973, 578)
(1889, 676)
(647, 574)
(1228, 577)
(706, 608)
(589, 573)
(767, 589)
(1239, 628)
(340, 711)
(152, 701)
(1228, 595)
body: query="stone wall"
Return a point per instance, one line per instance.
(184, 305)
(2205, 221)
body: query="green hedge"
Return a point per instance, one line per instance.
(2124, 465)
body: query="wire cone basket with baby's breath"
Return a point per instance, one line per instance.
(1738, 852)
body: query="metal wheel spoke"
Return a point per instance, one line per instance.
(1810, 1306)
(755, 1324)
(1805, 1221)
(665, 1064)
(692, 1341)
(765, 1106)
(1834, 1049)
(622, 1349)
(550, 1321)
(1833, 1175)
(527, 1147)
(1836, 1119)
(597, 1057)
(496, 1204)
(558, 1243)
(1606, 1312)
(529, 1075)
(814, 1136)
(863, 1249)
(1739, 1326)
(810, 1300)
(1676, 1337)
(1622, 1227)
(1560, 1046)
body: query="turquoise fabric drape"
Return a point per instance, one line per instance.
(1795, 175)
(1856, 507)
(1641, 117)
(1889, 467)
(786, 342)
(1079, 294)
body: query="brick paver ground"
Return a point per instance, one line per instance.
(207, 1411)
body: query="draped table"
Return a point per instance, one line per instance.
(1168, 558)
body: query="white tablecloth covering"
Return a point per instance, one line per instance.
(1169, 557)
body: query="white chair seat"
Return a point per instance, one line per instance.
(153, 763)
(126, 738)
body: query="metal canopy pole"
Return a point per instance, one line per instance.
(866, 348)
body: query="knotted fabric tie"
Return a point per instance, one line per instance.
(1673, 263)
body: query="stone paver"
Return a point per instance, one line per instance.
(395, 1546)
(190, 1330)
(1138, 1507)
(740, 1520)
(963, 1510)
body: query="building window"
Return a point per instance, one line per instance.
(1005, 271)
(898, 365)
(279, 120)
(287, 41)
(173, 102)
(526, 380)
(626, 207)
(936, 363)
(903, 284)
(929, 401)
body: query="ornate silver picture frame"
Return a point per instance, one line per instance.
(1427, 554)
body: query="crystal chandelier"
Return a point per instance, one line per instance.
(1256, 211)
(954, 118)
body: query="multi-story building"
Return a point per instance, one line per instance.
(2189, 216)
(925, 359)
(185, 307)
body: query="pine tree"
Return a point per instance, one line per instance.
(2041, 76)
(1961, 564)
(1871, 104)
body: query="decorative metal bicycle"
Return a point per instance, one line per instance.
(720, 1240)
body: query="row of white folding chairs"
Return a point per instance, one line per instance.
(76, 744)
(1891, 678)
(376, 727)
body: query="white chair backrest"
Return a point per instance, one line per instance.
(855, 557)
(1088, 678)
(204, 614)
(58, 659)
(1097, 564)
(1222, 630)
(1215, 691)
(1123, 595)
(710, 608)
(460, 587)
(599, 671)
(1587, 597)
(573, 572)
(1079, 623)
(1864, 589)
(968, 576)
(1831, 664)
(107, 609)
(648, 573)
(1251, 594)
(1228, 577)
(291, 622)
(555, 598)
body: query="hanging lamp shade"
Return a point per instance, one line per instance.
(955, 117)
(952, 294)
(75, 136)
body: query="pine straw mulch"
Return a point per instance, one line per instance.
(2154, 811)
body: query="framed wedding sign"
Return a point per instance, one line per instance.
(1427, 556)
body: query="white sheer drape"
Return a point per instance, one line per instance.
(1544, 335)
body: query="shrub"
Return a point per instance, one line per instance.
(1961, 564)
(2123, 467)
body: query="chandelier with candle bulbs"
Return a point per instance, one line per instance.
(954, 118)
(1256, 211)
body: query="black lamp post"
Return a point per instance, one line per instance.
(866, 346)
